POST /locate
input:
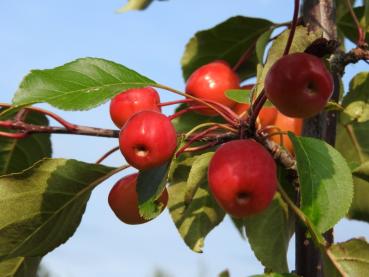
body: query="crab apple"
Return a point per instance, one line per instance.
(131, 101)
(285, 123)
(242, 177)
(210, 81)
(299, 85)
(148, 139)
(123, 200)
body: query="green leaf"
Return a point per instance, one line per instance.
(189, 120)
(362, 171)
(20, 267)
(269, 235)
(341, 8)
(226, 41)
(350, 258)
(301, 40)
(196, 219)
(42, 206)
(261, 44)
(239, 223)
(197, 174)
(224, 273)
(275, 275)
(325, 179)
(239, 95)
(356, 101)
(79, 85)
(366, 13)
(18, 154)
(333, 106)
(348, 27)
(150, 185)
(357, 154)
(134, 5)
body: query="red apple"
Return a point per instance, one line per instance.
(299, 85)
(242, 177)
(210, 81)
(131, 101)
(148, 139)
(123, 200)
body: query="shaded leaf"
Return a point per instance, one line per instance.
(347, 25)
(79, 85)
(196, 219)
(224, 273)
(350, 258)
(325, 179)
(20, 267)
(134, 5)
(226, 41)
(42, 206)
(150, 185)
(19, 154)
(356, 154)
(261, 44)
(356, 101)
(275, 275)
(333, 106)
(269, 235)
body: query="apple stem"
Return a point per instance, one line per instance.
(201, 147)
(245, 56)
(175, 102)
(360, 33)
(196, 137)
(107, 154)
(293, 27)
(186, 110)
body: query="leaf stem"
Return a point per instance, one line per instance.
(360, 33)
(317, 237)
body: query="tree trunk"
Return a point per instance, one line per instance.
(317, 14)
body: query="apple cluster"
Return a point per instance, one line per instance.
(242, 173)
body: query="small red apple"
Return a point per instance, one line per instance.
(123, 200)
(131, 101)
(242, 177)
(210, 81)
(299, 85)
(148, 139)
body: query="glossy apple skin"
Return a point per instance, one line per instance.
(285, 123)
(147, 140)
(131, 101)
(124, 202)
(299, 85)
(242, 177)
(210, 81)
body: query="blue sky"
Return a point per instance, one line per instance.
(37, 34)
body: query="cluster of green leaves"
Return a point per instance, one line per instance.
(42, 200)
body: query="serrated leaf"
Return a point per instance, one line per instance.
(18, 154)
(261, 44)
(195, 220)
(150, 185)
(269, 235)
(198, 173)
(347, 25)
(20, 267)
(79, 85)
(356, 101)
(356, 154)
(189, 120)
(301, 40)
(239, 95)
(325, 179)
(42, 206)
(225, 41)
(350, 258)
(134, 5)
